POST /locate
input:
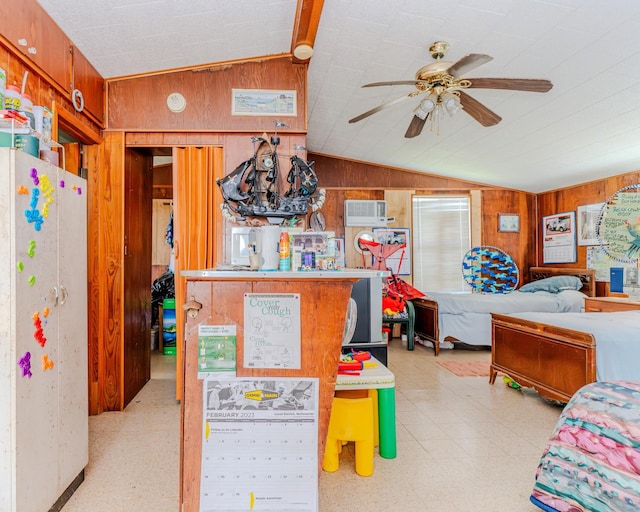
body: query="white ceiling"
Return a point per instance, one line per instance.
(586, 127)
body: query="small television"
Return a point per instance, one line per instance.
(367, 293)
(240, 246)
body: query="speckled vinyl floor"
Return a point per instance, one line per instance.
(463, 445)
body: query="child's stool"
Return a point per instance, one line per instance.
(364, 393)
(351, 420)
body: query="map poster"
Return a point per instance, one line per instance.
(272, 330)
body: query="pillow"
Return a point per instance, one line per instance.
(553, 284)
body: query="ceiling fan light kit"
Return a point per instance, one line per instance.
(443, 84)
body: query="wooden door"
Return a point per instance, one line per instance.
(138, 206)
(197, 225)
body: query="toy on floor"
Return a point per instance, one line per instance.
(511, 383)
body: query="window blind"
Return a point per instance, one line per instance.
(441, 238)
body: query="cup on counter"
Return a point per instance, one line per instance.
(254, 259)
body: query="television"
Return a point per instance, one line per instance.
(367, 293)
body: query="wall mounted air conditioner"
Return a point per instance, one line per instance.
(365, 213)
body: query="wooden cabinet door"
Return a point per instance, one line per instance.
(32, 31)
(89, 82)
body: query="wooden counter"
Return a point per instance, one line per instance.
(324, 297)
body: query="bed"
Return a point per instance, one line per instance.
(555, 353)
(592, 459)
(466, 318)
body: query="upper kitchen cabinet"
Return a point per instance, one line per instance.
(33, 33)
(90, 85)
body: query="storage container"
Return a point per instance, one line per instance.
(169, 326)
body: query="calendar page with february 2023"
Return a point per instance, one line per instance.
(260, 445)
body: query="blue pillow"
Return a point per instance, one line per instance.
(553, 284)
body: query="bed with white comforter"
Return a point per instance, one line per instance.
(466, 317)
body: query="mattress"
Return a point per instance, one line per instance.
(467, 316)
(592, 460)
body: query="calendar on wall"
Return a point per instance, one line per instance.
(260, 444)
(559, 238)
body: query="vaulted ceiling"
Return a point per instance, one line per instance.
(586, 127)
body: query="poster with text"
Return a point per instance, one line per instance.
(216, 350)
(272, 330)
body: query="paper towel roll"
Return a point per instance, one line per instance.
(269, 247)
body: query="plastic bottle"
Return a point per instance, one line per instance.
(12, 98)
(3, 82)
(285, 253)
(26, 108)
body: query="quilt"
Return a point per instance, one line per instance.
(592, 460)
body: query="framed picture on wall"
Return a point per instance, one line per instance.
(399, 262)
(263, 102)
(588, 223)
(508, 222)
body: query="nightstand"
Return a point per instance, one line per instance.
(609, 304)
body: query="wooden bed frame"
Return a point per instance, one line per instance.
(555, 361)
(426, 310)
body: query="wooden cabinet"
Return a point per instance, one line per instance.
(609, 304)
(44, 426)
(89, 82)
(32, 31)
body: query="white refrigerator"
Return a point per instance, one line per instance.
(43, 334)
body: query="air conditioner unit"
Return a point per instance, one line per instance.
(365, 213)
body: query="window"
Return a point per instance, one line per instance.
(441, 238)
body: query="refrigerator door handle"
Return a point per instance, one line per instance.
(63, 295)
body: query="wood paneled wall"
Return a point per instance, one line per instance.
(568, 199)
(140, 103)
(348, 179)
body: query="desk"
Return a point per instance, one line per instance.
(383, 380)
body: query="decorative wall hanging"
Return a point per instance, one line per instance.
(256, 187)
(559, 238)
(588, 223)
(490, 270)
(619, 225)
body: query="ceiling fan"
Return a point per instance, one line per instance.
(442, 83)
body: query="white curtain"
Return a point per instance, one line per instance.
(441, 238)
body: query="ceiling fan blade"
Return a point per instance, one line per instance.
(395, 82)
(415, 126)
(478, 111)
(467, 63)
(380, 107)
(512, 84)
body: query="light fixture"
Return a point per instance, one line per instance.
(451, 103)
(303, 51)
(435, 105)
(425, 107)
